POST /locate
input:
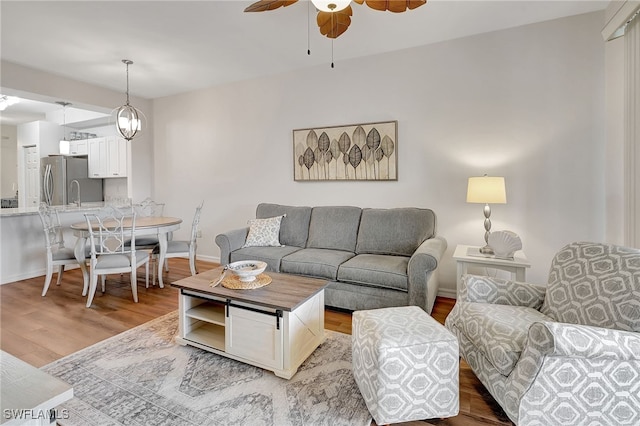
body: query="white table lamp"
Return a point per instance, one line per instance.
(486, 190)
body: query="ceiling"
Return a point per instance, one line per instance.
(180, 46)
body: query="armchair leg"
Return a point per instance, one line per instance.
(146, 284)
(92, 289)
(85, 286)
(154, 267)
(192, 264)
(60, 273)
(146, 275)
(47, 279)
(134, 284)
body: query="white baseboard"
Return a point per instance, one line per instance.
(208, 258)
(33, 274)
(448, 293)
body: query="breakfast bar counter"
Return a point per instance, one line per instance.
(22, 250)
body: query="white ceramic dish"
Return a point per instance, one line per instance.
(247, 270)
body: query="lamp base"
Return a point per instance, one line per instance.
(486, 250)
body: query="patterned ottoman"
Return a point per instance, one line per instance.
(405, 364)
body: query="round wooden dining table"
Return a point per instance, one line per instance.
(159, 226)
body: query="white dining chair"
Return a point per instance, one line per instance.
(109, 253)
(182, 248)
(57, 254)
(148, 208)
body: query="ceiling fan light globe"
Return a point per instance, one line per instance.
(331, 5)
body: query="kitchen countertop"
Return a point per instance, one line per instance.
(25, 211)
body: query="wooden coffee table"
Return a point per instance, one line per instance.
(275, 327)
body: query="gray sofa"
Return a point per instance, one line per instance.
(372, 258)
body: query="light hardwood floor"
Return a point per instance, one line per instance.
(40, 330)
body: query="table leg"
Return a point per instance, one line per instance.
(162, 240)
(462, 270)
(520, 274)
(79, 251)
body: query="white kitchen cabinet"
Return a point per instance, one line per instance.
(97, 156)
(107, 157)
(78, 147)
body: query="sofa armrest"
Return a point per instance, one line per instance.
(230, 241)
(481, 289)
(561, 361)
(421, 270)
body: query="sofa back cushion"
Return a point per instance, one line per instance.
(595, 284)
(294, 227)
(334, 227)
(394, 231)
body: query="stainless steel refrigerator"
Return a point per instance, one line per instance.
(58, 174)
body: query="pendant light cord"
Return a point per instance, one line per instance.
(308, 28)
(127, 82)
(332, 27)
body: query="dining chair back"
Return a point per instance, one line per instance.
(109, 231)
(56, 252)
(183, 248)
(149, 208)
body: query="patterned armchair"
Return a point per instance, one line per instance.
(564, 354)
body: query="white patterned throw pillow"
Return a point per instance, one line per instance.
(264, 232)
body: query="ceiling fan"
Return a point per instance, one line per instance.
(334, 16)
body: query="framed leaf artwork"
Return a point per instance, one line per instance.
(351, 152)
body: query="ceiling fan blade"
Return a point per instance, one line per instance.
(332, 24)
(263, 5)
(396, 6)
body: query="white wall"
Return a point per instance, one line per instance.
(525, 103)
(9, 161)
(614, 83)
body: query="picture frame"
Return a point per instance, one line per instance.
(353, 152)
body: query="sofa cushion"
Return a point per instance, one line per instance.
(334, 227)
(320, 263)
(294, 228)
(394, 231)
(271, 255)
(499, 332)
(376, 270)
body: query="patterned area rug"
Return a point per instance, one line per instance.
(142, 377)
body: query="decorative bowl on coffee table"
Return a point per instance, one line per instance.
(247, 270)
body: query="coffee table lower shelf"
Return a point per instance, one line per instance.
(269, 338)
(209, 335)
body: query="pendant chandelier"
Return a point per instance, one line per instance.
(64, 143)
(128, 118)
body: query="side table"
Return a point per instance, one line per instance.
(516, 266)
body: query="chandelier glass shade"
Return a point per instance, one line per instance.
(129, 122)
(63, 145)
(128, 118)
(330, 5)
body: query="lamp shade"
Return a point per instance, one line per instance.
(486, 190)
